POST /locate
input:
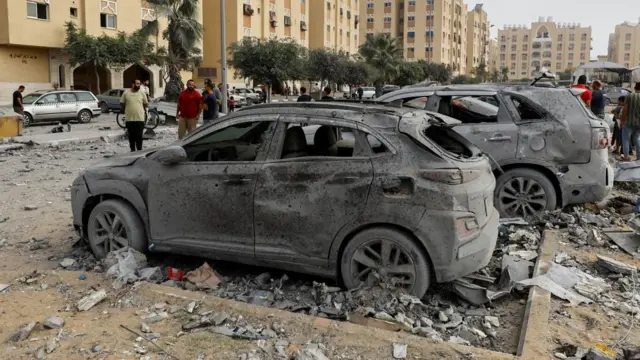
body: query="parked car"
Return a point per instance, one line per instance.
(249, 94)
(612, 94)
(389, 88)
(64, 105)
(403, 195)
(549, 149)
(368, 92)
(110, 100)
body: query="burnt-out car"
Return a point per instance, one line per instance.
(382, 189)
(549, 149)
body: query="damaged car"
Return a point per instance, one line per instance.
(549, 149)
(346, 191)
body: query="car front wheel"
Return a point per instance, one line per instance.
(524, 192)
(112, 225)
(27, 119)
(84, 116)
(393, 255)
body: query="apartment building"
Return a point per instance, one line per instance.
(555, 46)
(493, 54)
(478, 32)
(624, 45)
(334, 25)
(432, 30)
(32, 35)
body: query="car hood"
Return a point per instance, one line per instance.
(124, 159)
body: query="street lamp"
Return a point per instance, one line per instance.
(223, 53)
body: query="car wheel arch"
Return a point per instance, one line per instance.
(545, 170)
(339, 248)
(114, 189)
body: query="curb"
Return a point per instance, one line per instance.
(534, 339)
(109, 136)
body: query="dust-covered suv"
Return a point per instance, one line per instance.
(339, 190)
(549, 149)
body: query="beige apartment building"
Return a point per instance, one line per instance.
(624, 45)
(32, 35)
(432, 30)
(493, 55)
(555, 46)
(478, 33)
(333, 26)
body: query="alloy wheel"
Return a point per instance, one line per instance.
(522, 196)
(85, 117)
(391, 261)
(109, 232)
(26, 119)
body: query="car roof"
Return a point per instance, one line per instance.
(43, 92)
(473, 87)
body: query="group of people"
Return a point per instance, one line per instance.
(305, 97)
(626, 133)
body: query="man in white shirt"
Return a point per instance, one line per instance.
(145, 89)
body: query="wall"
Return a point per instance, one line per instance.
(4, 25)
(18, 63)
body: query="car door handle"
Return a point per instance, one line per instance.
(236, 181)
(498, 137)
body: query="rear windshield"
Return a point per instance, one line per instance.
(445, 138)
(563, 105)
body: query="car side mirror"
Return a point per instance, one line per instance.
(170, 155)
(39, 102)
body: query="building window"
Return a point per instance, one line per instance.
(387, 19)
(37, 11)
(108, 21)
(514, 47)
(514, 38)
(387, 4)
(73, 12)
(412, 3)
(572, 37)
(411, 18)
(411, 34)
(627, 37)
(560, 36)
(328, 28)
(584, 37)
(369, 5)
(513, 57)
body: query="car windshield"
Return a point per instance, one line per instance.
(31, 98)
(369, 89)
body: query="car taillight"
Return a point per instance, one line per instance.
(599, 138)
(467, 227)
(451, 176)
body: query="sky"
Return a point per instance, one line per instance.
(602, 16)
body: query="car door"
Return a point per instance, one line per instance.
(47, 107)
(205, 204)
(114, 99)
(68, 105)
(304, 196)
(486, 125)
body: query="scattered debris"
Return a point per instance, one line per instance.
(53, 322)
(615, 266)
(23, 332)
(204, 277)
(399, 351)
(91, 300)
(67, 263)
(30, 207)
(122, 265)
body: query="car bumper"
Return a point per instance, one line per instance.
(79, 196)
(96, 112)
(591, 182)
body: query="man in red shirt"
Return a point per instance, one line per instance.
(189, 107)
(586, 96)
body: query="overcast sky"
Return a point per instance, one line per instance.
(602, 16)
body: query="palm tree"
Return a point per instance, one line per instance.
(505, 74)
(183, 34)
(383, 52)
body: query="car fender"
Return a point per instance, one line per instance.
(123, 190)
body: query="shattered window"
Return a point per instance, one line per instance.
(319, 140)
(470, 109)
(526, 111)
(238, 142)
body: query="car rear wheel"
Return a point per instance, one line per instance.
(27, 119)
(112, 225)
(395, 257)
(84, 116)
(524, 192)
(104, 107)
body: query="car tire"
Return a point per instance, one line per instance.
(105, 234)
(85, 116)
(374, 238)
(27, 119)
(526, 186)
(104, 107)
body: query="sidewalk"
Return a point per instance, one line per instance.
(50, 139)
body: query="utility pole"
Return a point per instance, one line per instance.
(223, 53)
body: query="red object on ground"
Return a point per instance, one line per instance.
(175, 274)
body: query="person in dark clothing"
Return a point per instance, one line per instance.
(304, 97)
(17, 100)
(210, 104)
(597, 99)
(616, 143)
(360, 92)
(326, 94)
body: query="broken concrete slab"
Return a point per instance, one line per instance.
(53, 322)
(23, 332)
(615, 266)
(629, 241)
(91, 300)
(399, 351)
(519, 268)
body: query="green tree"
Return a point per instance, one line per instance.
(358, 73)
(105, 51)
(183, 34)
(465, 79)
(383, 52)
(270, 60)
(495, 76)
(567, 74)
(409, 73)
(437, 72)
(480, 71)
(326, 65)
(504, 74)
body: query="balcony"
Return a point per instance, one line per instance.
(303, 26)
(247, 10)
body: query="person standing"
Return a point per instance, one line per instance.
(18, 106)
(304, 97)
(616, 143)
(189, 108)
(145, 89)
(360, 93)
(582, 84)
(597, 99)
(134, 104)
(326, 94)
(630, 122)
(210, 105)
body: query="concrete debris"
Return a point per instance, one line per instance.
(562, 257)
(155, 317)
(91, 300)
(51, 345)
(525, 236)
(595, 219)
(53, 322)
(458, 340)
(67, 263)
(30, 207)
(478, 333)
(145, 328)
(595, 354)
(245, 333)
(594, 238)
(493, 320)
(399, 351)
(127, 261)
(629, 241)
(151, 274)
(311, 352)
(192, 306)
(560, 355)
(560, 281)
(23, 332)
(525, 254)
(616, 266)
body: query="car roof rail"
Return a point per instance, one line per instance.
(356, 106)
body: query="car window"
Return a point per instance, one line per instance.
(418, 103)
(526, 111)
(29, 99)
(470, 109)
(49, 99)
(319, 140)
(84, 96)
(238, 142)
(114, 93)
(68, 97)
(377, 147)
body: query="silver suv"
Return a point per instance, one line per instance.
(551, 148)
(60, 105)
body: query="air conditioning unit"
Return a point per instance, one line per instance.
(274, 23)
(341, 12)
(247, 9)
(303, 26)
(348, 14)
(287, 20)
